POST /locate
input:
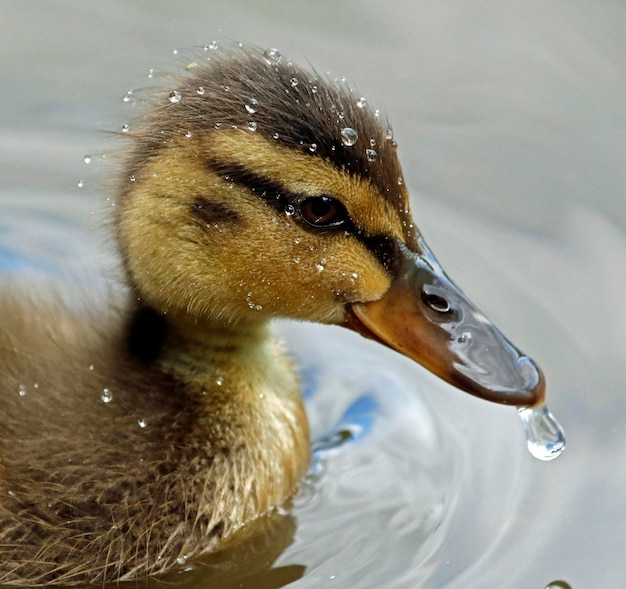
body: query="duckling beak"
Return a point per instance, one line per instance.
(426, 317)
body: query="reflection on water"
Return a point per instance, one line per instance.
(510, 122)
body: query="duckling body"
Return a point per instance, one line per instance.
(135, 467)
(135, 437)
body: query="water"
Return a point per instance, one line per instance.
(544, 435)
(509, 120)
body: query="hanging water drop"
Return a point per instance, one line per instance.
(371, 155)
(87, 159)
(174, 96)
(128, 96)
(349, 136)
(80, 183)
(544, 435)
(213, 45)
(125, 129)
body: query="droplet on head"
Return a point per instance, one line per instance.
(87, 159)
(106, 396)
(361, 102)
(252, 126)
(544, 434)
(174, 96)
(252, 105)
(371, 155)
(213, 45)
(313, 147)
(200, 90)
(125, 128)
(293, 82)
(142, 423)
(128, 96)
(272, 56)
(349, 136)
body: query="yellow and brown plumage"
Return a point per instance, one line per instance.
(149, 432)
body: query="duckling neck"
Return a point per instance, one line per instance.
(246, 403)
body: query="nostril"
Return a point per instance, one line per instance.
(436, 302)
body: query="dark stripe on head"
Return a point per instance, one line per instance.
(384, 248)
(210, 213)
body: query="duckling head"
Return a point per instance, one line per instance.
(256, 189)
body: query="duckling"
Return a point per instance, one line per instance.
(136, 437)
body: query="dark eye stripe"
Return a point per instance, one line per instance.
(384, 248)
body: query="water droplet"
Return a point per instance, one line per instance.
(219, 381)
(389, 134)
(150, 73)
(275, 135)
(106, 396)
(91, 367)
(544, 435)
(87, 159)
(141, 422)
(400, 180)
(373, 142)
(80, 183)
(252, 126)
(314, 89)
(371, 155)
(355, 275)
(361, 102)
(252, 105)
(293, 82)
(320, 267)
(175, 51)
(181, 560)
(174, 96)
(296, 260)
(213, 45)
(22, 390)
(313, 147)
(35, 385)
(200, 90)
(272, 56)
(128, 96)
(125, 129)
(465, 337)
(188, 134)
(349, 136)
(290, 210)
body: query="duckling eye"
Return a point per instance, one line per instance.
(323, 211)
